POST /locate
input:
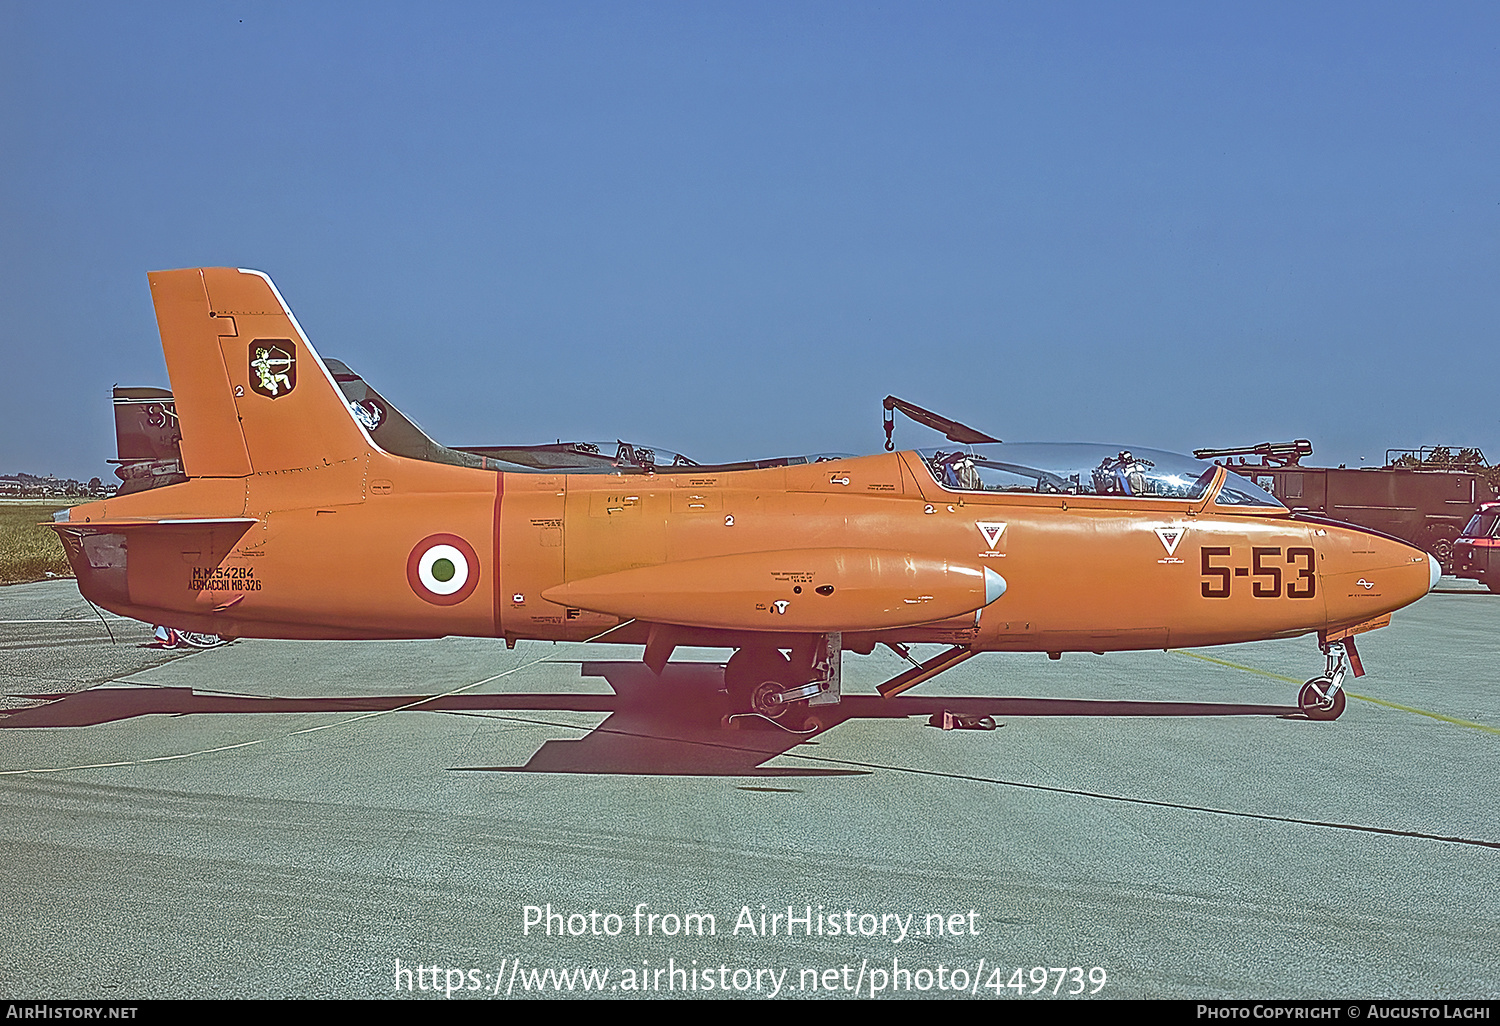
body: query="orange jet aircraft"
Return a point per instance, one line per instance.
(299, 504)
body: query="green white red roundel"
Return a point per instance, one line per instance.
(443, 569)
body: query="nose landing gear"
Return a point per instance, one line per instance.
(1323, 698)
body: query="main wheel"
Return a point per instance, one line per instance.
(753, 676)
(765, 698)
(1311, 700)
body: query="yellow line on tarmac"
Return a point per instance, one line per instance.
(1362, 698)
(1424, 712)
(1237, 666)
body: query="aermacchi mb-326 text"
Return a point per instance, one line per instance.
(283, 497)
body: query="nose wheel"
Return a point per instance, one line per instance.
(1323, 698)
(1319, 701)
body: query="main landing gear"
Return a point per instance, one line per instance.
(1323, 698)
(763, 681)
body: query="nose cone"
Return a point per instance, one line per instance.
(1367, 574)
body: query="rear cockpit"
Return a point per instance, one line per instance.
(1050, 468)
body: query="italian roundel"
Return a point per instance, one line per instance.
(443, 569)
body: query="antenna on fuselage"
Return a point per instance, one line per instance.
(951, 429)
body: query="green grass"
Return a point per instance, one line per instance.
(29, 552)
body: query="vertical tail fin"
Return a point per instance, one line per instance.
(252, 395)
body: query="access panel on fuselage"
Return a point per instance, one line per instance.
(533, 537)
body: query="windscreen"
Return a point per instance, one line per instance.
(1049, 468)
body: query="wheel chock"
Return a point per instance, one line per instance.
(961, 721)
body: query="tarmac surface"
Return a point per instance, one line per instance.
(288, 819)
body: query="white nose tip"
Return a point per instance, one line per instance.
(1434, 571)
(994, 586)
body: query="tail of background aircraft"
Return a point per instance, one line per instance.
(391, 429)
(148, 454)
(251, 394)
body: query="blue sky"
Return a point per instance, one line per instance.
(732, 229)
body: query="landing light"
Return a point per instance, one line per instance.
(994, 586)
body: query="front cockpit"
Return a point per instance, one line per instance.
(1049, 468)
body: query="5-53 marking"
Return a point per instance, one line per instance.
(1271, 574)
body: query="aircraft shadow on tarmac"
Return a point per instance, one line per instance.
(669, 725)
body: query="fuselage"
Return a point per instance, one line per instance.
(288, 519)
(336, 551)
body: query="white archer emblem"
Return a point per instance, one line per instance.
(273, 368)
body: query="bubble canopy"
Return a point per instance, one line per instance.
(1073, 468)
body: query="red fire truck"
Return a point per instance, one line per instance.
(1476, 554)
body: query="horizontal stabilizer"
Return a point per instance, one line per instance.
(97, 526)
(149, 564)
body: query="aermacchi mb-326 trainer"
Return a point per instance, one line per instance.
(282, 497)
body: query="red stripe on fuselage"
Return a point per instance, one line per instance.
(495, 556)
